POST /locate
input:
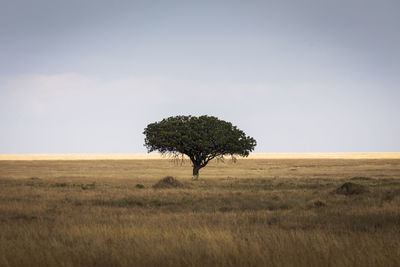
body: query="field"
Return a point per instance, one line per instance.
(256, 212)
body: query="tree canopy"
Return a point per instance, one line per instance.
(200, 138)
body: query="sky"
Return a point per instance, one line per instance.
(87, 76)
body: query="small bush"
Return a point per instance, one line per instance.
(140, 186)
(351, 189)
(88, 186)
(225, 209)
(60, 185)
(319, 204)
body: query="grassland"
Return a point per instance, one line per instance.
(257, 212)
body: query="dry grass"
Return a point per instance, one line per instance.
(258, 212)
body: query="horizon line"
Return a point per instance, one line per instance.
(155, 156)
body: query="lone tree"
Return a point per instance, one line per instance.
(200, 138)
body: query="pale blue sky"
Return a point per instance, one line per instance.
(86, 76)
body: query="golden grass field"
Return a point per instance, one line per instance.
(261, 211)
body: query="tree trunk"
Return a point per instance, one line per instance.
(196, 172)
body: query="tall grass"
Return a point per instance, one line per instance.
(254, 213)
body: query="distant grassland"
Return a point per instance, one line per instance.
(347, 155)
(256, 212)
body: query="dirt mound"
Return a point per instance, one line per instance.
(168, 182)
(351, 189)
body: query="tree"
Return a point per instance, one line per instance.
(199, 138)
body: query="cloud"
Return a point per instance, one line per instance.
(69, 112)
(68, 93)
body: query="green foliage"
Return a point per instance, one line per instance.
(140, 186)
(200, 138)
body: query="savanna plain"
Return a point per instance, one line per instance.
(255, 212)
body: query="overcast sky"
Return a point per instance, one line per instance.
(87, 76)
